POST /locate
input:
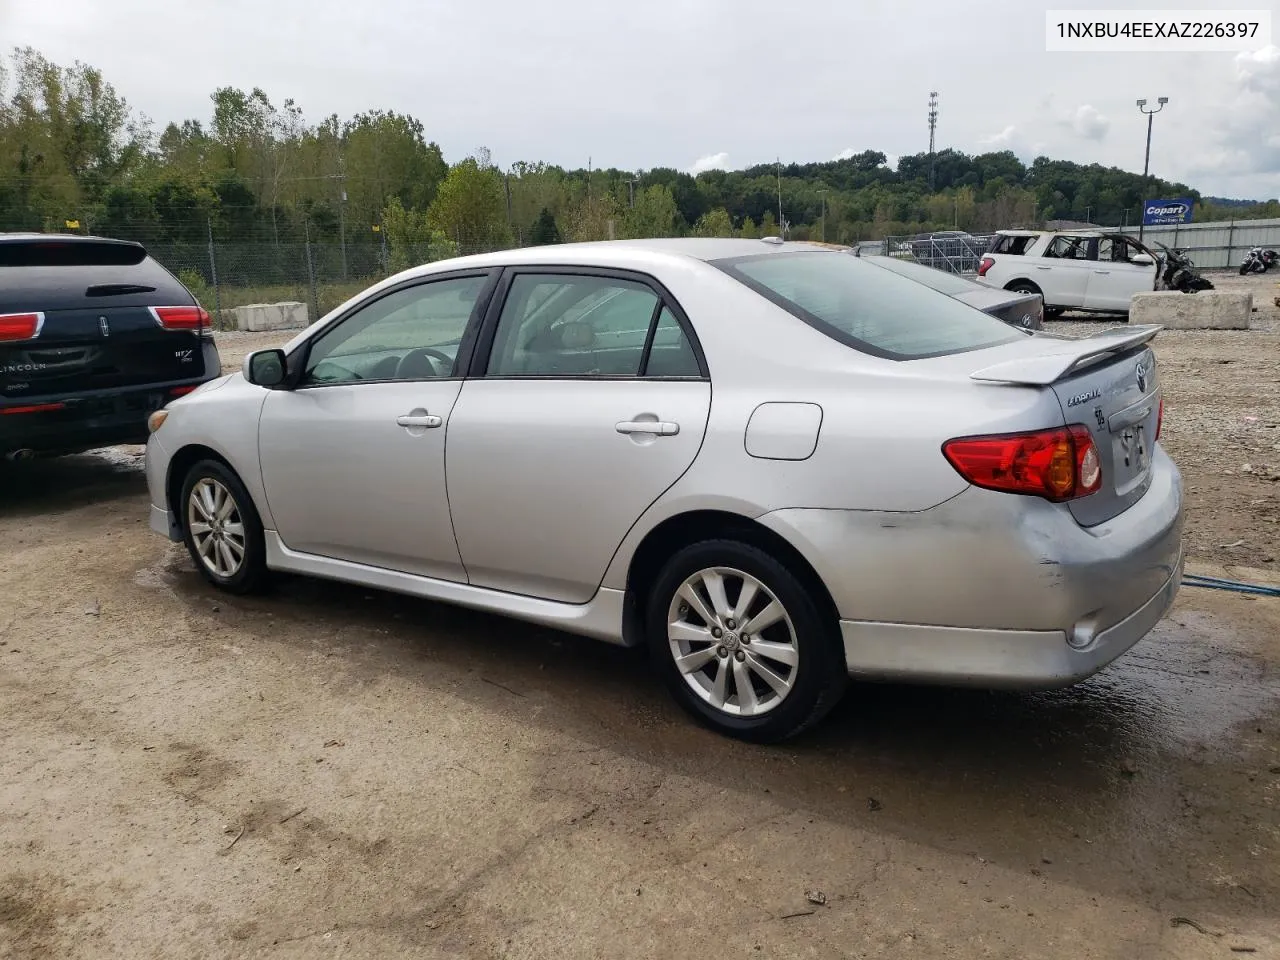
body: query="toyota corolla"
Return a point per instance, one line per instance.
(775, 465)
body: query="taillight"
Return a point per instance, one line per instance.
(985, 264)
(192, 319)
(20, 326)
(1059, 464)
(1159, 418)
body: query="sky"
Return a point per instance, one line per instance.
(691, 84)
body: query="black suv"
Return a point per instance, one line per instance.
(94, 335)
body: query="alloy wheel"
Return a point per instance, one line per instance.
(217, 529)
(733, 641)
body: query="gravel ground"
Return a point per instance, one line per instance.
(327, 771)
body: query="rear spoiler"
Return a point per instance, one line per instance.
(1045, 368)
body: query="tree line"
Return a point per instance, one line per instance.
(75, 156)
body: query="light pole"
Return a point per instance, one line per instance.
(1146, 164)
(823, 194)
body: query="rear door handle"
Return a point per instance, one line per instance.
(1103, 272)
(660, 428)
(425, 420)
(1044, 268)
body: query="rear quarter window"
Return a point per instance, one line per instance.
(866, 307)
(1016, 246)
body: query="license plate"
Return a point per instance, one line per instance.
(1132, 453)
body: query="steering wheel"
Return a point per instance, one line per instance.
(419, 364)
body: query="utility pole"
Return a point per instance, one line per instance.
(631, 185)
(779, 196)
(823, 194)
(933, 123)
(1146, 164)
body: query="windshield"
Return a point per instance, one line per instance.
(866, 307)
(947, 283)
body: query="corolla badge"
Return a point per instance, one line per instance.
(1141, 372)
(1080, 398)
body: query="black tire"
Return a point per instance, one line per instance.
(252, 573)
(1245, 268)
(1024, 286)
(818, 677)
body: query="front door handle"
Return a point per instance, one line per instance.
(1044, 268)
(1103, 272)
(659, 428)
(423, 420)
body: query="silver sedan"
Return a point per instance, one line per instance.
(775, 465)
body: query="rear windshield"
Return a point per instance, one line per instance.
(70, 275)
(939, 280)
(69, 253)
(866, 307)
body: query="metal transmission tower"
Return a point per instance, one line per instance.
(933, 124)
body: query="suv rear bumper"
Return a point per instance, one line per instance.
(84, 421)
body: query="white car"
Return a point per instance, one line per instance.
(1098, 272)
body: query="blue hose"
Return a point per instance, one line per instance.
(1236, 586)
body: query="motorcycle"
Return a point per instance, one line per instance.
(1259, 260)
(1179, 272)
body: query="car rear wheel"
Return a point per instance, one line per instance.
(741, 642)
(221, 528)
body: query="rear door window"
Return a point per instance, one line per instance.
(866, 307)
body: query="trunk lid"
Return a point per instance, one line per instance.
(1110, 384)
(98, 328)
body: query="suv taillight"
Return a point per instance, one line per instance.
(985, 264)
(20, 326)
(192, 319)
(1059, 464)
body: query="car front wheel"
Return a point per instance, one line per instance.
(741, 642)
(221, 528)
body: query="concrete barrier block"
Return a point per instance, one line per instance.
(256, 317)
(1206, 310)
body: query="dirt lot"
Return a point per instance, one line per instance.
(325, 771)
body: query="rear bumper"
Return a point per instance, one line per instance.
(992, 588)
(101, 418)
(1014, 659)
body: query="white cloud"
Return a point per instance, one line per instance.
(1244, 130)
(713, 161)
(1089, 123)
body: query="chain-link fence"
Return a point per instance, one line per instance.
(952, 251)
(322, 274)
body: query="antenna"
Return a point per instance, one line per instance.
(933, 123)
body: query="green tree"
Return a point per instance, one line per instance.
(470, 207)
(411, 239)
(544, 229)
(748, 230)
(717, 223)
(654, 215)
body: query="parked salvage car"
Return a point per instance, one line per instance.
(1093, 271)
(774, 464)
(1025, 310)
(94, 336)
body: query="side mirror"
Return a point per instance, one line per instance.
(265, 368)
(1142, 259)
